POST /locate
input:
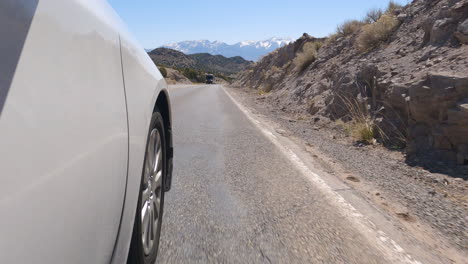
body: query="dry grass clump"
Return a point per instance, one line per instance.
(345, 29)
(374, 34)
(331, 38)
(349, 27)
(363, 131)
(267, 87)
(307, 55)
(272, 71)
(363, 125)
(392, 6)
(373, 15)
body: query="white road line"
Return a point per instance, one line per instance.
(387, 246)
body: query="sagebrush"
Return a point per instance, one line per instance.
(373, 15)
(307, 55)
(372, 35)
(392, 7)
(349, 27)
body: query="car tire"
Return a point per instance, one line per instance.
(145, 239)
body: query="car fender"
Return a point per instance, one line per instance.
(143, 84)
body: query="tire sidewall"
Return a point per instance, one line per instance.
(137, 254)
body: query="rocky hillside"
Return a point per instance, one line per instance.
(219, 63)
(200, 62)
(175, 77)
(399, 76)
(171, 58)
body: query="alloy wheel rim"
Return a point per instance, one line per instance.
(151, 192)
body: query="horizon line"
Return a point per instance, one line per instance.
(212, 41)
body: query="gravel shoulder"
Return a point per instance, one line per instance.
(429, 199)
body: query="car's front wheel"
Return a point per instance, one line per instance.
(147, 227)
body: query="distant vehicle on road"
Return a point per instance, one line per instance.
(210, 79)
(85, 137)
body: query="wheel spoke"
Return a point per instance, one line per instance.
(156, 212)
(159, 163)
(145, 196)
(144, 214)
(151, 147)
(149, 162)
(147, 172)
(157, 203)
(151, 228)
(145, 221)
(157, 153)
(158, 141)
(157, 182)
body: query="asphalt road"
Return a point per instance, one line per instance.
(236, 198)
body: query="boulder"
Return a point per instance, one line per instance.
(440, 118)
(462, 32)
(440, 30)
(402, 17)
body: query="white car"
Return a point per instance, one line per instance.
(85, 136)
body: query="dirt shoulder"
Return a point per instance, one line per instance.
(433, 206)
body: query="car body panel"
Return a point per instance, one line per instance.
(143, 85)
(67, 139)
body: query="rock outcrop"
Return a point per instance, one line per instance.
(415, 82)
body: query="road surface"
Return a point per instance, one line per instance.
(236, 198)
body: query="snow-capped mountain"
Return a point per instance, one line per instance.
(250, 50)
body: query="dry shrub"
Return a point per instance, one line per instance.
(373, 15)
(349, 27)
(363, 132)
(392, 6)
(369, 119)
(331, 38)
(363, 126)
(272, 71)
(307, 55)
(374, 34)
(267, 87)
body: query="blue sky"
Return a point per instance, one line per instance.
(156, 22)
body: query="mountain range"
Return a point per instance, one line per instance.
(200, 61)
(249, 50)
